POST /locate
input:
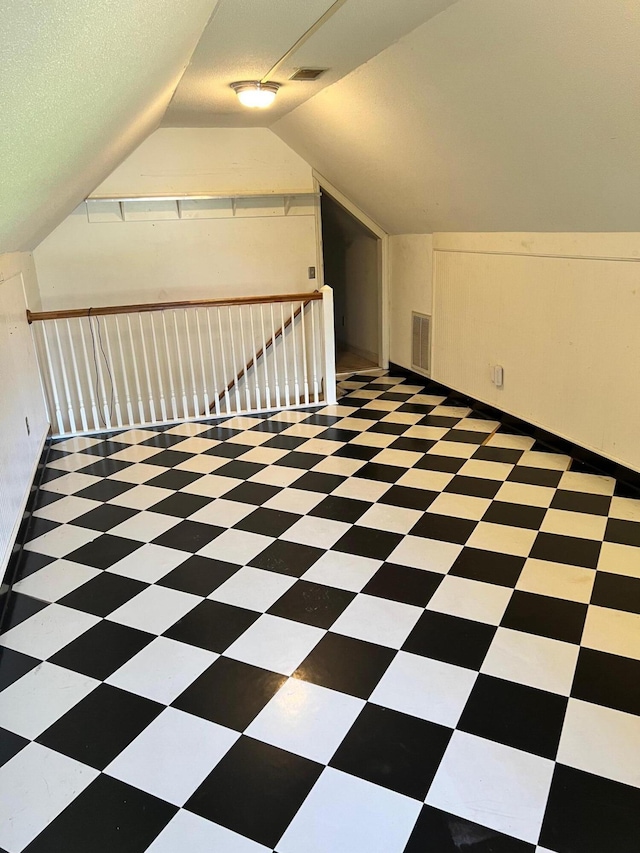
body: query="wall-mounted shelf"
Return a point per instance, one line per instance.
(120, 208)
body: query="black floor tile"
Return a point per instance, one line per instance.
(367, 542)
(535, 476)
(617, 591)
(623, 532)
(105, 467)
(231, 450)
(393, 750)
(488, 566)
(357, 451)
(515, 515)
(239, 470)
(413, 445)
(316, 481)
(299, 459)
(30, 562)
(199, 575)
(18, 608)
(103, 594)
(442, 832)
(10, 745)
(169, 458)
(188, 536)
(180, 504)
(465, 436)
(443, 527)
(444, 464)
(40, 526)
(545, 616)
(566, 549)
(104, 551)
(287, 558)
(105, 490)
(379, 472)
(409, 498)
(101, 725)
(609, 680)
(388, 428)
(589, 814)
(450, 639)
(107, 817)
(219, 433)
(340, 509)
(164, 439)
(516, 715)
(476, 487)
(401, 583)
(439, 421)
(104, 517)
(259, 805)
(345, 664)
(581, 502)
(173, 480)
(13, 665)
(498, 454)
(101, 650)
(312, 603)
(105, 448)
(230, 693)
(336, 434)
(212, 625)
(252, 493)
(268, 522)
(285, 442)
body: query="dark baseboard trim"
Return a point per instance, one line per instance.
(589, 461)
(17, 552)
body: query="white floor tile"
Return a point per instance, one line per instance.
(619, 559)
(322, 446)
(344, 571)
(145, 526)
(486, 470)
(34, 702)
(279, 645)
(202, 464)
(162, 670)
(236, 546)
(393, 518)
(526, 494)
(35, 786)
(558, 580)
(592, 483)
(277, 475)
(511, 442)
(77, 444)
(627, 509)
(173, 755)
(62, 540)
(579, 524)
(66, 509)
(493, 785)
(194, 444)
(255, 589)
(141, 497)
(429, 433)
(425, 688)
(502, 538)
(295, 500)
(251, 438)
(387, 623)
(401, 458)
(528, 659)
(55, 580)
(149, 563)
(211, 486)
(223, 513)
(602, 741)
(318, 532)
(613, 631)
(344, 814)
(136, 453)
(362, 490)
(432, 481)
(188, 832)
(469, 599)
(69, 484)
(460, 506)
(263, 455)
(430, 554)
(155, 609)
(135, 436)
(306, 719)
(458, 449)
(339, 465)
(138, 473)
(48, 631)
(551, 461)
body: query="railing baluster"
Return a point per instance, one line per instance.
(233, 359)
(112, 373)
(243, 361)
(296, 384)
(185, 404)
(267, 390)
(285, 359)
(256, 374)
(92, 395)
(314, 354)
(136, 373)
(205, 393)
(65, 381)
(196, 403)
(174, 407)
(216, 394)
(125, 379)
(106, 407)
(54, 385)
(224, 364)
(274, 349)
(305, 377)
(152, 405)
(83, 414)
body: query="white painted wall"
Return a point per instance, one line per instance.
(21, 398)
(83, 264)
(561, 314)
(410, 290)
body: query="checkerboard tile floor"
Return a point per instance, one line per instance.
(386, 625)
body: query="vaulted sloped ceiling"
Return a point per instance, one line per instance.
(495, 115)
(82, 82)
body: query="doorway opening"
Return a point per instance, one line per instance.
(353, 268)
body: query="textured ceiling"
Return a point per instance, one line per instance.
(245, 39)
(81, 84)
(496, 115)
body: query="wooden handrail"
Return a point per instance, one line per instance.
(33, 316)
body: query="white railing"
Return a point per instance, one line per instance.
(132, 365)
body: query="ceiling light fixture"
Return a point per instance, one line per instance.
(253, 93)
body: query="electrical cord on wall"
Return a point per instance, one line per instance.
(95, 364)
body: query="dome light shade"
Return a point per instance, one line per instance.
(252, 93)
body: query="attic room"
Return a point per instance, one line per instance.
(320, 426)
